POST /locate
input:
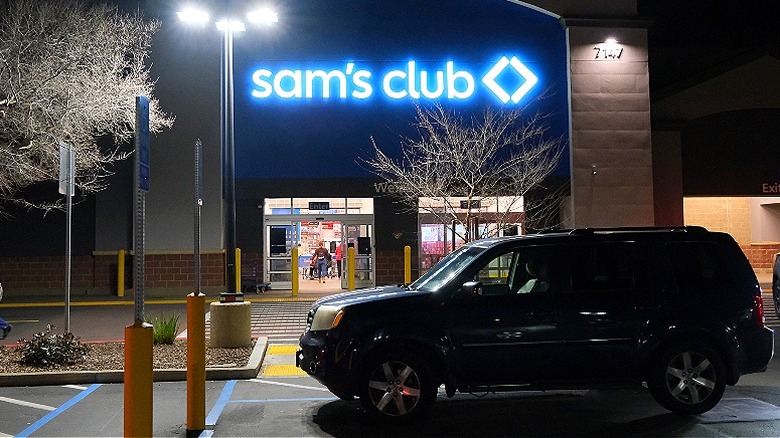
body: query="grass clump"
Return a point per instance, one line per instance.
(165, 328)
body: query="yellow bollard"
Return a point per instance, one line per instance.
(407, 264)
(196, 362)
(120, 273)
(351, 268)
(139, 379)
(295, 278)
(238, 270)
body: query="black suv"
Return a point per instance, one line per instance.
(677, 308)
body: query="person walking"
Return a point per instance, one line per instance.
(338, 258)
(322, 256)
(4, 326)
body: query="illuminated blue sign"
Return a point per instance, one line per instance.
(315, 93)
(412, 81)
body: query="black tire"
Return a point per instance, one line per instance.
(398, 386)
(688, 379)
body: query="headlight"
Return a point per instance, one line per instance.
(327, 317)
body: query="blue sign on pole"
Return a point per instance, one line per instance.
(142, 141)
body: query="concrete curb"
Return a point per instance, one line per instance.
(250, 371)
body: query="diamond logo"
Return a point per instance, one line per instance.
(529, 78)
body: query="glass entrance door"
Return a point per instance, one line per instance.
(285, 232)
(280, 238)
(359, 234)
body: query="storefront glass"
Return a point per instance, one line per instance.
(443, 222)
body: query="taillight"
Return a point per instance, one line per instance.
(758, 310)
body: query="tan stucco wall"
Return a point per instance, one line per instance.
(611, 154)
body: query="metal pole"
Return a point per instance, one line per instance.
(228, 148)
(69, 234)
(198, 206)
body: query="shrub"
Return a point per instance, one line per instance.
(49, 349)
(165, 328)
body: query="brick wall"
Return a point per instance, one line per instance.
(44, 272)
(98, 272)
(390, 267)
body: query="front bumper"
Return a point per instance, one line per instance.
(326, 361)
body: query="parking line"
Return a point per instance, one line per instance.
(290, 385)
(26, 404)
(51, 415)
(224, 398)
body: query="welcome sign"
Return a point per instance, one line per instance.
(313, 91)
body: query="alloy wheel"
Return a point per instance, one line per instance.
(690, 377)
(394, 388)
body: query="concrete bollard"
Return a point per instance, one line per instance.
(231, 324)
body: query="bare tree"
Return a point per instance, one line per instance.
(69, 72)
(497, 159)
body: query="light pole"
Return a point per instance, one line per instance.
(228, 26)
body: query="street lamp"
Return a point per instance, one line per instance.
(228, 26)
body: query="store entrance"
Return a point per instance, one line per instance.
(336, 232)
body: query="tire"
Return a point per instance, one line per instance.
(688, 379)
(398, 386)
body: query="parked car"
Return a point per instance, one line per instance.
(679, 309)
(776, 283)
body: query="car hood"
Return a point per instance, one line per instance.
(362, 296)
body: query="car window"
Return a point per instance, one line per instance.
(699, 267)
(494, 275)
(528, 269)
(447, 268)
(607, 266)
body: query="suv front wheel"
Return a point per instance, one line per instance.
(688, 379)
(397, 386)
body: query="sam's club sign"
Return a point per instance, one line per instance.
(506, 80)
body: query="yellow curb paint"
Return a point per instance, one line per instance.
(282, 349)
(281, 370)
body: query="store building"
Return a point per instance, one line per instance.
(300, 146)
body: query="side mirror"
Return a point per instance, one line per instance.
(472, 288)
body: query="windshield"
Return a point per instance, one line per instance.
(447, 268)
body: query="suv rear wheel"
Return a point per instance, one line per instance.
(398, 386)
(688, 379)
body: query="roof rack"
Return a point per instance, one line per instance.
(685, 229)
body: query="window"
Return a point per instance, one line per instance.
(699, 267)
(495, 275)
(606, 266)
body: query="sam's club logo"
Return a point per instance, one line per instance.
(508, 80)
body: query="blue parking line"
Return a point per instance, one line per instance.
(224, 398)
(50, 416)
